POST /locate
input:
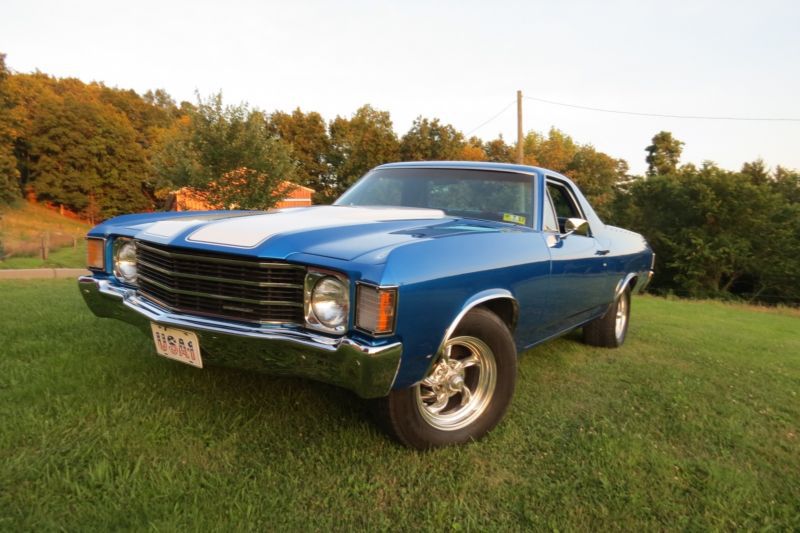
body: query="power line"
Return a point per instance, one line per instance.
(662, 115)
(482, 124)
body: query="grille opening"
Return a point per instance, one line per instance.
(219, 285)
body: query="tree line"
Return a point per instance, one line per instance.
(103, 151)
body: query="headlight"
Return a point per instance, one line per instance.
(328, 304)
(125, 260)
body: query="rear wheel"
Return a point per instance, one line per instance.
(465, 394)
(609, 330)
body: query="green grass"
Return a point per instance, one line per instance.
(22, 228)
(67, 257)
(693, 424)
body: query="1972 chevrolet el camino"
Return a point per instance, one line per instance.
(418, 287)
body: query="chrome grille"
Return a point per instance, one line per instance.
(220, 286)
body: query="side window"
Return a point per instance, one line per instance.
(549, 222)
(563, 202)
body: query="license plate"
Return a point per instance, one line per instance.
(177, 344)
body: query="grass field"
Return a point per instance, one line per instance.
(21, 231)
(693, 424)
(67, 257)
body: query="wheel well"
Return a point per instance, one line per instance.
(505, 308)
(625, 283)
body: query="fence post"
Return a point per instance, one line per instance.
(45, 245)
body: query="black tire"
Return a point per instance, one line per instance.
(603, 331)
(406, 413)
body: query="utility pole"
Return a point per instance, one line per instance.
(519, 127)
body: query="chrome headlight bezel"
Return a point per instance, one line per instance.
(322, 288)
(124, 260)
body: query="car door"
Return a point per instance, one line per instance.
(578, 265)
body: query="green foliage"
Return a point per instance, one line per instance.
(307, 135)
(498, 151)
(717, 232)
(74, 147)
(84, 155)
(556, 151)
(151, 116)
(227, 152)
(361, 143)
(9, 175)
(473, 150)
(787, 183)
(663, 154)
(596, 173)
(430, 140)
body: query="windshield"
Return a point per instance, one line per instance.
(483, 194)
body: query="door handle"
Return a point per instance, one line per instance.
(602, 252)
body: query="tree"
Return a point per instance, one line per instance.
(787, 183)
(555, 152)
(757, 171)
(85, 146)
(360, 143)
(498, 151)
(663, 154)
(717, 233)
(307, 135)
(150, 116)
(227, 152)
(84, 155)
(9, 175)
(473, 150)
(597, 174)
(245, 188)
(430, 140)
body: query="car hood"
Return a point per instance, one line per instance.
(339, 232)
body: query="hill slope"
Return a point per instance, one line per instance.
(22, 229)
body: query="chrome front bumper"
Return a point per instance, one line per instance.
(369, 371)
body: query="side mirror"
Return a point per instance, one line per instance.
(578, 226)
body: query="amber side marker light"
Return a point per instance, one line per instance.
(95, 254)
(376, 309)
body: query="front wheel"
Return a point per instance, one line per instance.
(465, 394)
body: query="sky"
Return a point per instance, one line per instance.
(459, 61)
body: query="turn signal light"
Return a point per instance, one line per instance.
(376, 309)
(95, 254)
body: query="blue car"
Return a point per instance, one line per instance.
(417, 288)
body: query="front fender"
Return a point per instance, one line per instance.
(428, 332)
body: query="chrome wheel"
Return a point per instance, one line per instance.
(460, 386)
(622, 317)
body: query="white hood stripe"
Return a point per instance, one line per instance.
(250, 231)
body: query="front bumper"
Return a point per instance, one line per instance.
(369, 371)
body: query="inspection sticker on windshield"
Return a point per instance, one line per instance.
(177, 344)
(516, 219)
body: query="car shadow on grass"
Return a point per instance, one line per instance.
(277, 408)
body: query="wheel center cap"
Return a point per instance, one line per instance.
(455, 383)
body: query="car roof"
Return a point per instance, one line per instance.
(477, 165)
